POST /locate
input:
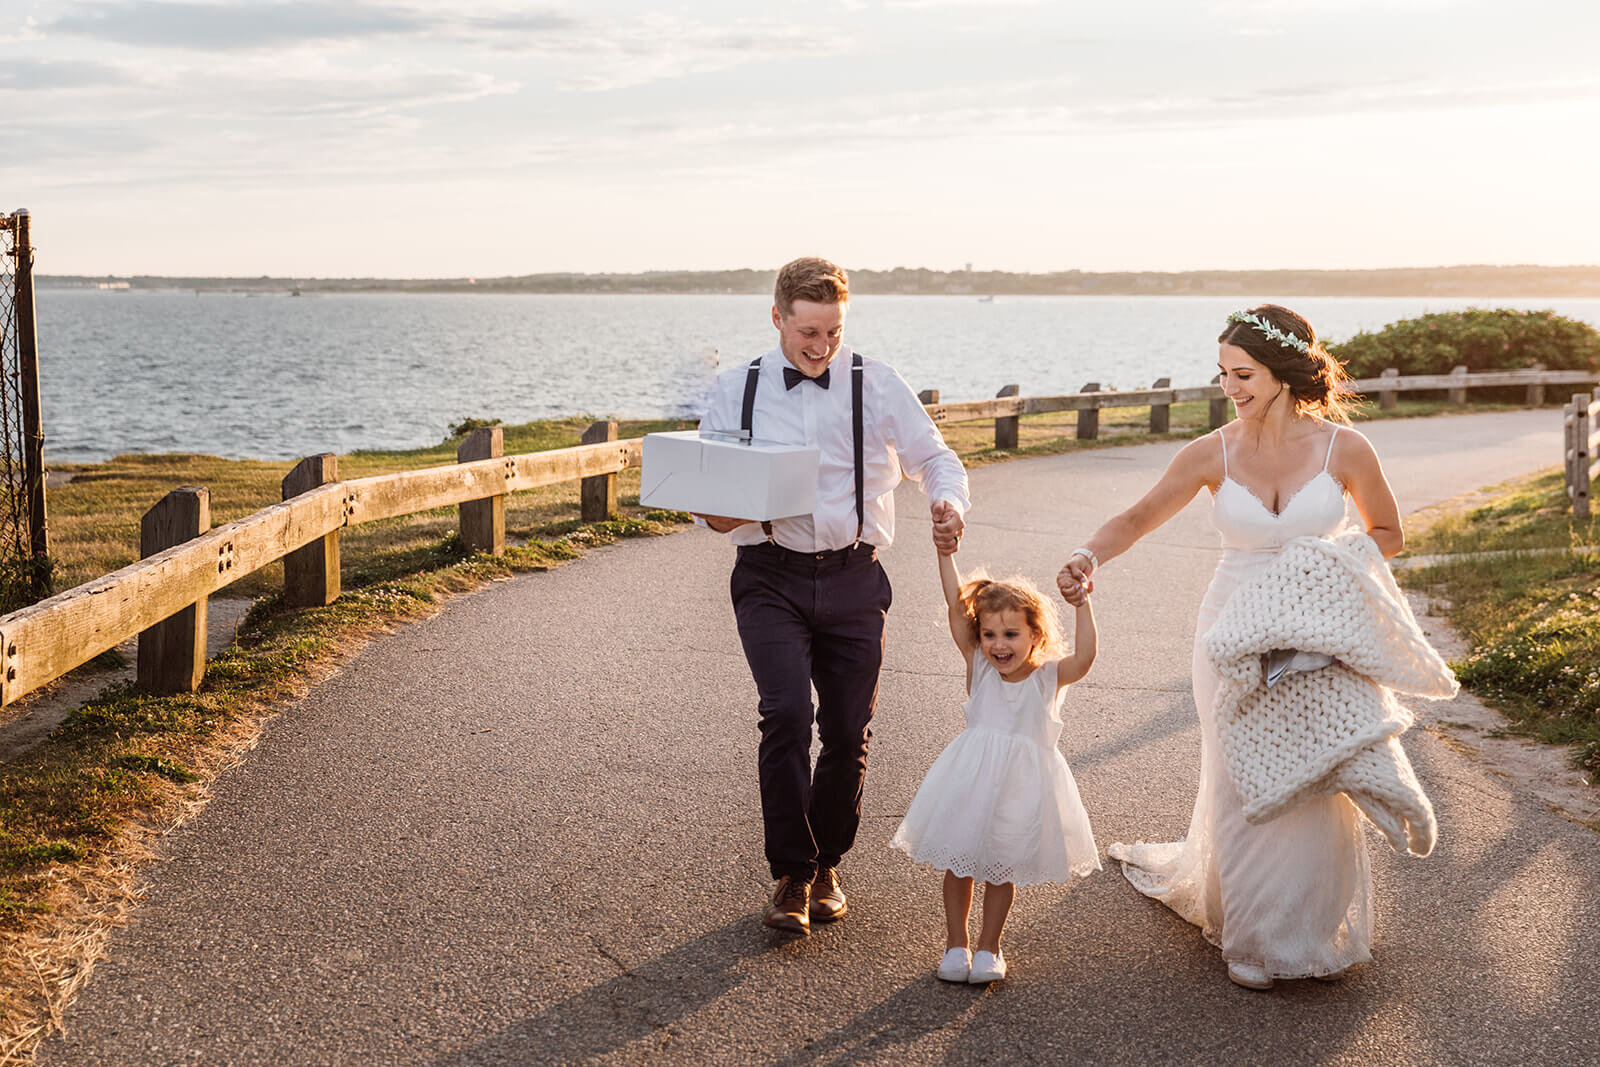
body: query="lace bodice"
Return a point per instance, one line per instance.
(1248, 525)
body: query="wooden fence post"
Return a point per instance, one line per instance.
(1006, 430)
(1161, 414)
(928, 396)
(599, 494)
(1580, 455)
(311, 574)
(1536, 388)
(1389, 393)
(1458, 386)
(1088, 418)
(1219, 407)
(172, 654)
(1568, 452)
(27, 385)
(483, 522)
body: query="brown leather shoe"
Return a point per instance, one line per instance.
(827, 899)
(790, 907)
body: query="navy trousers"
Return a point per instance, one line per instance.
(811, 619)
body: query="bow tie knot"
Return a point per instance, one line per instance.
(792, 378)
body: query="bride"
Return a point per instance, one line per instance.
(1289, 898)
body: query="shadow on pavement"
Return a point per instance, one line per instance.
(642, 1001)
(899, 1021)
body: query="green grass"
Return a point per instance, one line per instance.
(1531, 620)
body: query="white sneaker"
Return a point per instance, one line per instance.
(956, 965)
(987, 967)
(1249, 975)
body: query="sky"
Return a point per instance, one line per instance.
(490, 137)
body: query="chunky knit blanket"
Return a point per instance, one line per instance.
(1320, 732)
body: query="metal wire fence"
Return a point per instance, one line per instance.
(24, 553)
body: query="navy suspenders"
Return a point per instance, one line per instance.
(747, 417)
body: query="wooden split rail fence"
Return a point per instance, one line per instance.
(1580, 449)
(1007, 405)
(162, 598)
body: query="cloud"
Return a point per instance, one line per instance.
(1290, 8)
(42, 74)
(589, 55)
(72, 144)
(928, 5)
(660, 47)
(1052, 110)
(259, 25)
(372, 91)
(212, 27)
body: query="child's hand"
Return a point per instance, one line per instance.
(947, 527)
(1075, 583)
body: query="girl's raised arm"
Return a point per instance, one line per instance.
(1085, 643)
(960, 626)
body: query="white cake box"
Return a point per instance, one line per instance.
(723, 474)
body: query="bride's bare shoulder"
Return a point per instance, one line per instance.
(1351, 441)
(1200, 460)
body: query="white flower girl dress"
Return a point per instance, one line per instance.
(1000, 804)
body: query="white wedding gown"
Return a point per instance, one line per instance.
(1293, 895)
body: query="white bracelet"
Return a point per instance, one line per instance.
(1094, 563)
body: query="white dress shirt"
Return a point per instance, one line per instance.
(896, 436)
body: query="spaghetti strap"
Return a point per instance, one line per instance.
(1224, 441)
(1329, 457)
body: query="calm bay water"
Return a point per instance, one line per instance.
(277, 377)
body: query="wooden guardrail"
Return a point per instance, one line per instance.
(40, 643)
(162, 597)
(1580, 449)
(1007, 405)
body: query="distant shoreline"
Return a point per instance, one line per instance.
(1455, 282)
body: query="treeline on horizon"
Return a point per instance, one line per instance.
(1463, 281)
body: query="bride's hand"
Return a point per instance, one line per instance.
(1074, 581)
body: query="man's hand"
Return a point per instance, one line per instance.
(721, 523)
(947, 527)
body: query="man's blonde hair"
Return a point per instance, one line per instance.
(810, 278)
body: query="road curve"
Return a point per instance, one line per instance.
(527, 830)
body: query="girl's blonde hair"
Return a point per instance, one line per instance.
(982, 596)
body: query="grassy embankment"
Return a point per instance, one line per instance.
(1532, 616)
(75, 811)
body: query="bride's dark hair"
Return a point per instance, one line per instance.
(1313, 376)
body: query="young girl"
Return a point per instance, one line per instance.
(999, 804)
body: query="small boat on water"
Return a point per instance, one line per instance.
(987, 298)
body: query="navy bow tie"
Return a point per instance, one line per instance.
(792, 378)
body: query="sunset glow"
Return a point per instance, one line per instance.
(308, 138)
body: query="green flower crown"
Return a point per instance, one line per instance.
(1288, 340)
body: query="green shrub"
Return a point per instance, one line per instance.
(466, 426)
(1480, 339)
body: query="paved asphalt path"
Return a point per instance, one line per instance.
(527, 830)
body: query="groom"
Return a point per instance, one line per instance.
(809, 594)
